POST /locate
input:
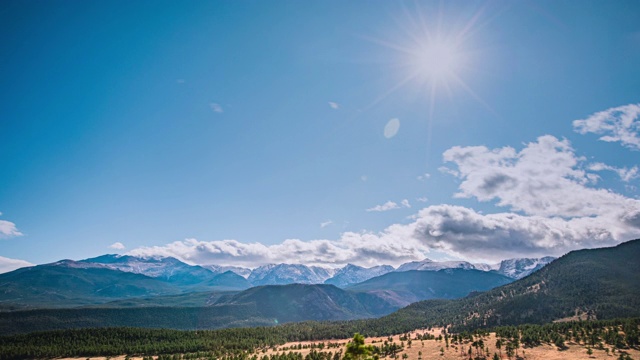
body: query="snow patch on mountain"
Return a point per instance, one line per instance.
(280, 274)
(519, 268)
(219, 269)
(353, 274)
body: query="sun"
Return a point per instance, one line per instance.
(435, 60)
(432, 53)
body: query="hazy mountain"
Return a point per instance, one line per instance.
(430, 265)
(165, 268)
(519, 268)
(258, 306)
(228, 280)
(352, 274)
(297, 302)
(218, 269)
(280, 274)
(599, 283)
(69, 283)
(403, 288)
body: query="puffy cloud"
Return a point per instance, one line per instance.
(389, 205)
(117, 246)
(7, 264)
(493, 237)
(365, 249)
(458, 231)
(543, 179)
(8, 229)
(620, 124)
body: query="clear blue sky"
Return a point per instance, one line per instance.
(147, 123)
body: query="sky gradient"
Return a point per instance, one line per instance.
(318, 132)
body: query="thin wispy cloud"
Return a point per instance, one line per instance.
(215, 107)
(626, 174)
(326, 223)
(117, 246)
(619, 124)
(405, 203)
(422, 199)
(424, 177)
(334, 105)
(389, 205)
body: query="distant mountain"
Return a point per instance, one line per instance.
(281, 274)
(218, 269)
(353, 274)
(70, 283)
(298, 302)
(403, 288)
(258, 306)
(430, 265)
(228, 280)
(164, 268)
(595, 283)
(519, 268)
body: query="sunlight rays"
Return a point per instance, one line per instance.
(433, 54)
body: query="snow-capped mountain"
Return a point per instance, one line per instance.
(280, 274)
(165, 268)
(218, 269)
(519, 268)
(428, 264)
(353, 274)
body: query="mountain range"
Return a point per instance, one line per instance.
(111, 278)
(596, 283)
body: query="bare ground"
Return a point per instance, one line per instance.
(430, 349)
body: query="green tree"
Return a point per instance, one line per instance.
(357, 350)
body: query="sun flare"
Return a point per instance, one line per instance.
(436, 60)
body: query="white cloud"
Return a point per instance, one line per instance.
(117, 246)
(364, 249)
(616, 124)
(334, 105)
(216, 107)
(405, 203)
(389, 205)
(424, 177)
(392, 127)
(471, 235)
(422, 199)
(544, 179)
(625, 174)
(326, 223)
(7, 264)
(8, 229)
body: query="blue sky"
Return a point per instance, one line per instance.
(323, 132)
